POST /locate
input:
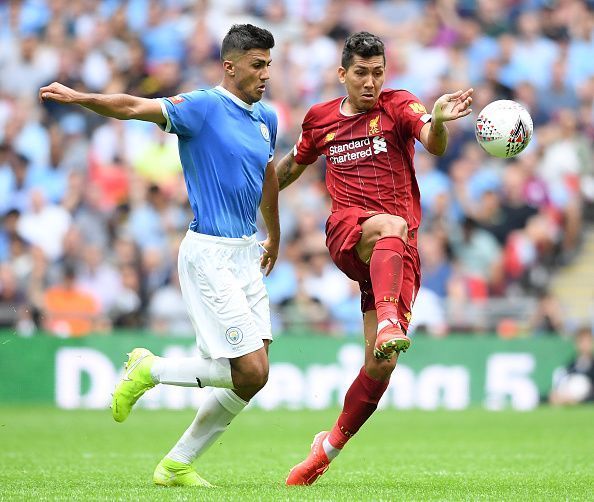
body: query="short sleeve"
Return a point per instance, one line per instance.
(306, 151)
(185, 113)
(412, 114)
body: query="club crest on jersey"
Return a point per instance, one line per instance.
(373, 126)
(418, 108)
(329, 137)
(234, 336)
(264, 131)
(176, 100)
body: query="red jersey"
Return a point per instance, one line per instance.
(369, 156)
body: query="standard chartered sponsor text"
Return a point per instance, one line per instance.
(349, 156)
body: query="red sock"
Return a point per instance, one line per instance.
(386, 276)
(359, 403)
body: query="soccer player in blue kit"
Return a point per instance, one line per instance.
(226, 144)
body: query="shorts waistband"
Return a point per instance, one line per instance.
(244, 241)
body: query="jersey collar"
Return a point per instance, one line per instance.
(344, 114)
(234, 98)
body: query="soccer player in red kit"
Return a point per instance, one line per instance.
(368, 139)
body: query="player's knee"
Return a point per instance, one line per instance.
(253, 377)
(395, 226)
(260, 377)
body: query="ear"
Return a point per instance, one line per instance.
(342, 75)
(229, 67)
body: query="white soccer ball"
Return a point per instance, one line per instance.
(575, 386)
(504, 128)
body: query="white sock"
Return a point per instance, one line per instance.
(331, 452)
(192, 372)
(212, 419)
(387, 322)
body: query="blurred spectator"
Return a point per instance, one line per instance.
(525, 250)
(69, 311)
(322, 280)
(576, 385)
(8, 231)
(478, 255)
(99, 278)
(12, 297)
(159, 162)
(44, 225)
(127, 308)
(347, 313)
(429, 315)
(167, 312)
(436, 269)
(547, 318)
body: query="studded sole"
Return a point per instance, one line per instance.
(387, 349)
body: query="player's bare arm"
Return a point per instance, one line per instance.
(119, 106)
(434, 134)
(269, 210)
(288, 170)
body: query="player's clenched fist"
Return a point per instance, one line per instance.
(58, 92)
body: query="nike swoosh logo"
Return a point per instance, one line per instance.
(131, 368)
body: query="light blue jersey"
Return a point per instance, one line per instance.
(224, 147)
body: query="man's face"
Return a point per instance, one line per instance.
(363, 80)
(250, 73)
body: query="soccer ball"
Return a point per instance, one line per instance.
(575, 386)
(504, 128)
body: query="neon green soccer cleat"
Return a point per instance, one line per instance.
(135, 382)
(172, 473)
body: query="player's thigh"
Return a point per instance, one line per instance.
(216, 303)
(378, 226)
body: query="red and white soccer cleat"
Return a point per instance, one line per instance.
(313, 466)
(389, 340)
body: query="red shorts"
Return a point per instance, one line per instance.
(343, 232)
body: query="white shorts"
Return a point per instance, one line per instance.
(224, 293)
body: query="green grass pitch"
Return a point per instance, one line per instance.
(547, 454)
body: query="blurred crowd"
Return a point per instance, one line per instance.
(93, 209)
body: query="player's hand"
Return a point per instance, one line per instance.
(452, 106)
(59, 93)
(268, 259)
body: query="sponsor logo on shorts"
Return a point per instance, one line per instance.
(234, 336)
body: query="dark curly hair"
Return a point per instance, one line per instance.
(362, 44)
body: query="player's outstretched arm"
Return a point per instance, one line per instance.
(269, 210)
(119, 106)
(288, 170)
(434, 134)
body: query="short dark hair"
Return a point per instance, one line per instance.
(243, 37)
(362, 44)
